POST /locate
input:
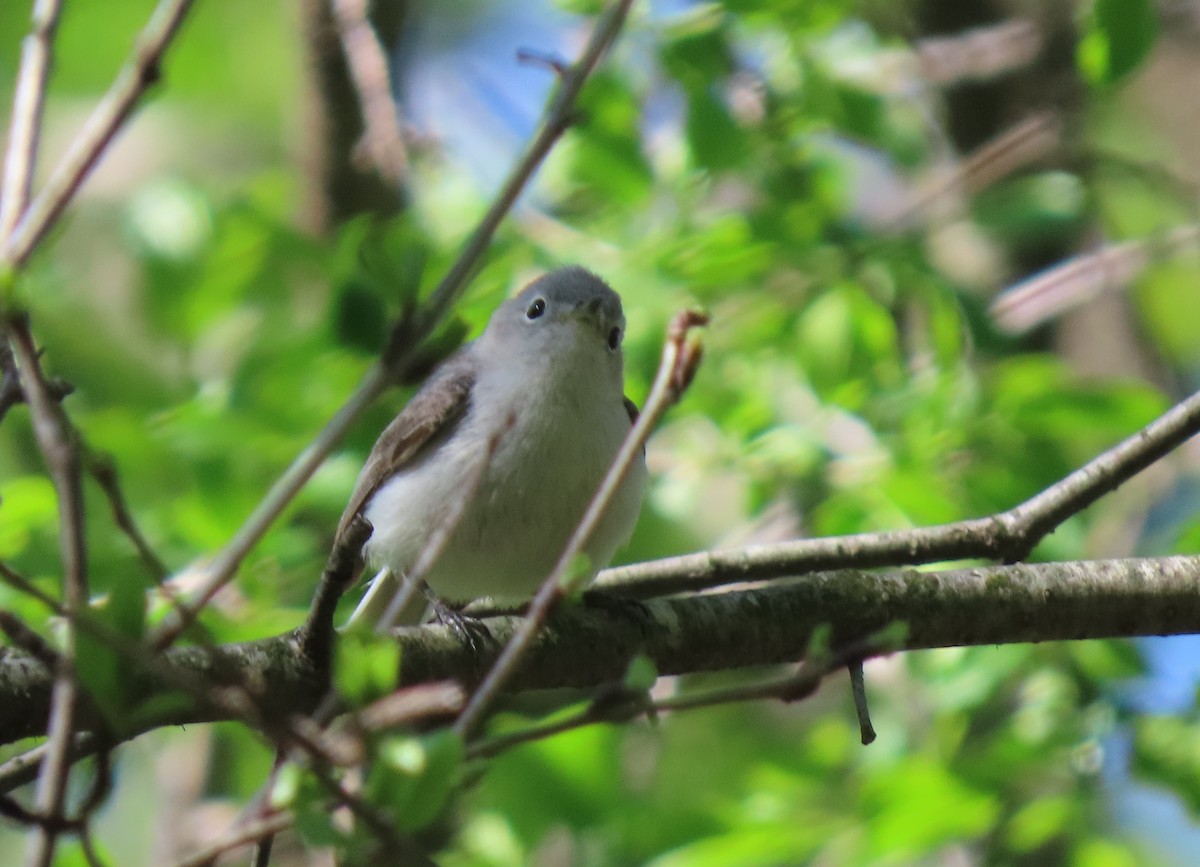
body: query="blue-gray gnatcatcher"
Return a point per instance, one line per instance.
(542, 389)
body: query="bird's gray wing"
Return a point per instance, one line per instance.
(432, 413)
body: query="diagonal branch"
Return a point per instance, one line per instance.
(25, 129)
(104, 470)
(139, 72)
(1008, 536)
(794, 686)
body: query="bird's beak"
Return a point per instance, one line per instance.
(591, 313)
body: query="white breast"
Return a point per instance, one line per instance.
(544, 471)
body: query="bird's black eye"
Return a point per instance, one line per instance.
(536, 309)
(614, 338)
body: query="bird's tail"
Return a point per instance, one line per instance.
(389, 596)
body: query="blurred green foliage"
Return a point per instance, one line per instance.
(851, 383)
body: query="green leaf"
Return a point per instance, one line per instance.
(1119, 36)
(1035, 211)
(287, 786)
(1166, 750)
(716, 140)
(579, 570)
(27, 505)
(104, 671)
(1039, 821)
(604, 153)
(695, 48)
(366, 665)
(359, 317)
(314, 823)
(414, 776)
(641, 673)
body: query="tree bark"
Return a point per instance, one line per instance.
(586, 646)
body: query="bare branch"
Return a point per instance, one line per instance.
(858, 689)
(139, 72)
(59, 446)
(382, 143)
(1009, 535)
(559, 116)
(10, 382)
(981, 54)
(583, 647)
(241, 835)
(341, 569)
(1024, 143)
(25, 129)
(675, 371)
(19, 582)
(104, 471)
(25, 638)
(799, 684)
(533, 57)
(1081, 278)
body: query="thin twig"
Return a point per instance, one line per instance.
(59, 448)
(401, 848)
(139, 72)
(1008, 535)
(90, 855)
(11, 809)
(980, 54)
(104, 471)
(347, 745)
(858, 690)
(221, 569)
(25, 128)
(25, 638)
(1081, 278)
(406, 335)
(675, 371)
(533, 57)
(560, 114)
(798, 685)
(382, 142)
(240, 835)
(1026, 142)
(19, 582)
(262, 851)
(10, 382)
(341, 569)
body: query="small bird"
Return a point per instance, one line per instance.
(531, 414)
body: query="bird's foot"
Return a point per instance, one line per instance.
(470, 630)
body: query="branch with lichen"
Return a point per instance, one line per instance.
(584, 648)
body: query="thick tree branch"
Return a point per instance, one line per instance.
(582, 647)
(1008, 536)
